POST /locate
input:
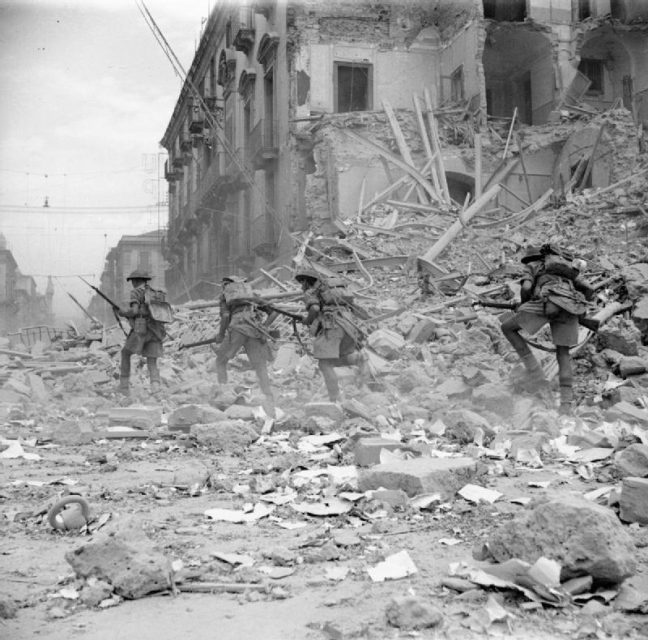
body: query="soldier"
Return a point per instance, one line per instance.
(553, 292)
(242, 325)
(337, 339)
(146, 335)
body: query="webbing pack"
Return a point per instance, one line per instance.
(159, 308)
(238, 292)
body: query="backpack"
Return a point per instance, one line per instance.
(238, 292)
(159, 308)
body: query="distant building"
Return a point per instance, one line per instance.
(131, 252)
(20, 303)
(281, 80)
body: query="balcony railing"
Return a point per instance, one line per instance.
(263, 143)
(243, 29)
(208, 182)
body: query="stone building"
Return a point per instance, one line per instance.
(257, 145)
(130, 253)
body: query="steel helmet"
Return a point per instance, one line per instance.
(138, 274)
(227, 279)
(304, 273)
(532, 254)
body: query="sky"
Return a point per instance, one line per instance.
(86, 94)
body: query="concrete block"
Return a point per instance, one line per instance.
(640, 311)
(140, 417)
(632, 366)
(324, 409)
(627, 412)
(422, 331)
(386, 343)
(240, 412)
(632, 461)
(454, 387)
(636, 279)
(421, 475)
(367, 450)
(393, 497)
(634, 500)
(620, 335)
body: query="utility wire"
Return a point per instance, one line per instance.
(214, 125)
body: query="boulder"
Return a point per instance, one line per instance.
(126, 560)
(632, 461)
(586, 538)
(411, 613)
(422, 331)
(138, 417)
(634, 500)
(620, 335)
(632, 366)
(186, 415)
(636, 279)
(230, 436)
(627, 412)
(240, 412)
(325, 410)
(420, 475)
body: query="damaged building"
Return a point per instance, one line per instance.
(260, 142)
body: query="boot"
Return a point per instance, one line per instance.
(566, 407)
(535, 373)
(124, 386)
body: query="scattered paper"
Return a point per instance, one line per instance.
(291, 525)
(343, 474)
(15, 450)
(475, 493)
(598, 493)
(438, 428)
(387, 456)
(394, 567)
(330, 507)
(232, 515)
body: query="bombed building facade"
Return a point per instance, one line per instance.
(261, 144)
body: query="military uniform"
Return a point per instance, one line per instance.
(243, 326)
(552, 292)
(337, 340)
(146, 335)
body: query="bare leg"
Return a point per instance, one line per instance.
(125, 369)
(154, 372)
(511, 330)
(566, 379)
(327, 367)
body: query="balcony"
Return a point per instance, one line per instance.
(171, 175)
(263, 144)
(185, 143)
(196, 119)
(243, 30)
(209, 183)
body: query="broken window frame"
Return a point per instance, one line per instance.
(594, 70)
(457, 85)
(336, 85)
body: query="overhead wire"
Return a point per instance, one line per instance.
(214, 125)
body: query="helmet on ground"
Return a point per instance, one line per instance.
(532, 254)
(227, 279)
(306, 273)
(138, 274)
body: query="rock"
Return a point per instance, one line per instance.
(627, 412)
(454, 387)
(240, 412)
(71, 433)
(631, 598)
(586, 538)
(367, 450)
(230, 436)
(632, 366)
(281, 556)
(634, 500)
(126, 560)
(528, 442)
(420, 475)
(8, 607)
(324, 409)
(632, 461)
(495, 397)
(412, 613)
(357, 409)
(458, 584)
(406, 322)
(94, 591)
(476, 376)
(422, 331)
(386, 343)
(411, 378)
(636, 279)
(620, 335)
(186, 415)
(139, 417)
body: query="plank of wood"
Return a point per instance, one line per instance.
(390, 261)
(394, 159)
(426, 142)
(401, 143)
(361, 199)
(478, 165)
(590, 162)
(456, 227)
(616, 184)
(510, 133)
(516, 196)
(436, 145)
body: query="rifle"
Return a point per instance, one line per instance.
(78, 304)
(589, 323)
(114, 306)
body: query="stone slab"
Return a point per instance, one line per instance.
(367, 450)
(634, 500)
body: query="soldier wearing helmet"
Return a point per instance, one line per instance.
(553, 292)
(242, 326)
(146, 335)
(337, 339)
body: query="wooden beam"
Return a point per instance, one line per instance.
(394, 159)
(526, 175)
(478, 165)
(516, 196)
(508, 139)
(590, 162)
(426, 142)
(360, 199)
(457, 226)
(436, 145)
(402, 144)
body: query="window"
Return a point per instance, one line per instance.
(353, 87)
(505, 10)
(457, 85)
(145, 260)
(593, 69)
(584, 9)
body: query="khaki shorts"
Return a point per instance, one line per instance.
(534, 315)
(257, 351)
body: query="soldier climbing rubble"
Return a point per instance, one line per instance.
(552, 291)
(242, 326)
(338, 340)
(147, 313)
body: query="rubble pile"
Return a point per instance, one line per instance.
(458, 498)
